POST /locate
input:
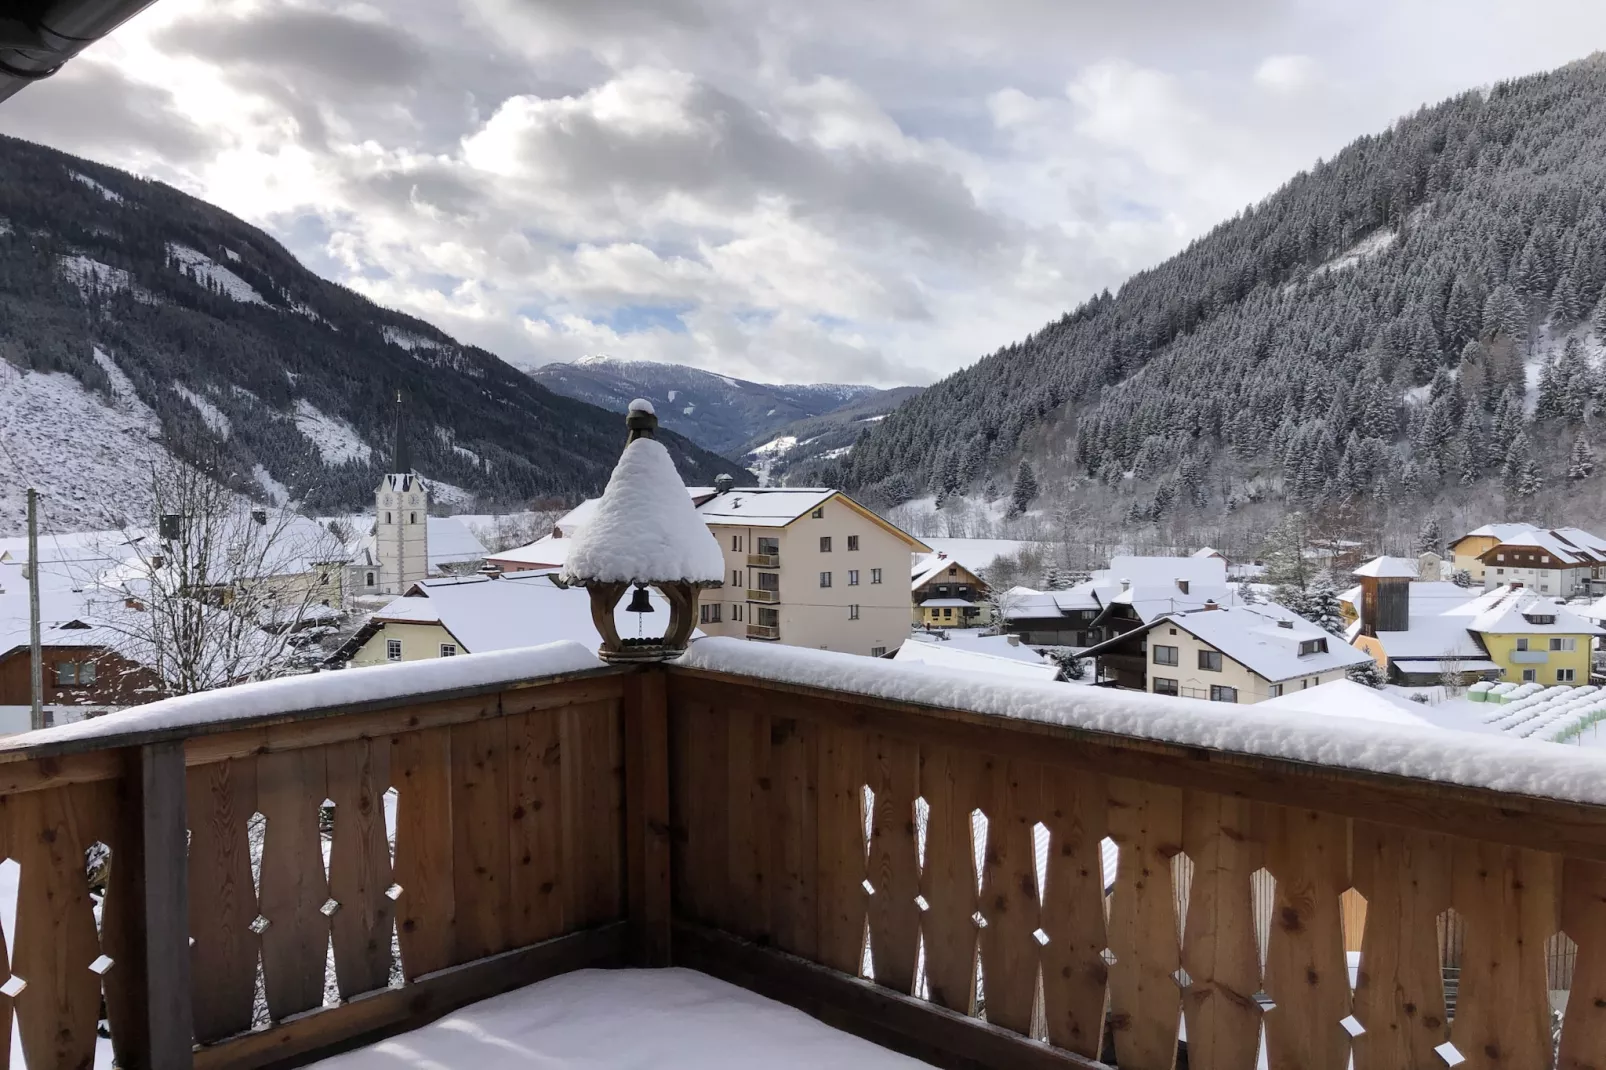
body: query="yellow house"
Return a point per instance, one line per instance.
(1531, 638)
(1466, 553)
(947, 594)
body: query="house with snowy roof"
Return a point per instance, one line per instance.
(1466, 552)
(1130, 593)
(87, 667)
(1242, 654)
(946, 594)
(1000, 658)
(1560, 561)
(1418, 632)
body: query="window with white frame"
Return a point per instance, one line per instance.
(1566, 643)
(392, 649)
(448, 650)
(1565, 676)
(1218, 693)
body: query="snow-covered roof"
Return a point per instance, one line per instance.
(1499, 763)
(1000, 646)
(1512, 610)
(501, 613)
(1207, 551)
(1560, 546)
(948, 603)
(1388, 568)
(926, 567)
(764, 507)
(1160, 571)
(1265, 638)
(1346, 698)
(645, 528)
(569, 524)
(948, 656)
(977, 555)
(1497, 531)
(547, 550)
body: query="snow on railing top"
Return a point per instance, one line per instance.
(1496, 763)
(325, 690)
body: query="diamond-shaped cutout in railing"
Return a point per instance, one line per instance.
(393, 893)
(1352, 1025)
(329, 907)
(922, 820)
(1181, 978)
(978, 921)
(869, 889)
(101, 965)
(1041, 937)
(259, 925)
(1108, 956)
(13, 986)
(1450, 1054)
(920, 901)
(1263, 998)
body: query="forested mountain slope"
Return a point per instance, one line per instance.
(715, 411)
(1415, 322)
(130, 312)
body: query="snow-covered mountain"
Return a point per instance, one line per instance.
(716, 411)
(137, 322)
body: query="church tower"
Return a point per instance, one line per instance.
(401, 519)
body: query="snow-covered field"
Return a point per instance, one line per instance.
(209, 273)
(211, 415)
(337, 441)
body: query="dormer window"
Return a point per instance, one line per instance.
(1312, 646)
(1539, 618)
(1182, 585)
(1286, 624)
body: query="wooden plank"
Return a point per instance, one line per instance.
(1074, 971)
(40, 773)
(702, 870)
(1145, 820)
(377, 1015)
(647, 818)
(1219, 951)
(840, 894)
(1507, 897)
(222, 896)
(748, 807)
(480, 864)
(794, 825)
(892, 769)
(1583, 917)
(1399, 990)
(293, 889)
(1009, 899)
(535, 828)
(421, 770)
(593, 812)
(169, 978)
(123, 925)
(1307, 974)
(915, 1027)
(1573, 829)
(951, 782)
(359, 865)
(8, 822)
(55, 932)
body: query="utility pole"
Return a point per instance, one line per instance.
(36, 666)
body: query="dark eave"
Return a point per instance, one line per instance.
(38, 36)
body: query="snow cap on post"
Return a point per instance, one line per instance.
(645, 531)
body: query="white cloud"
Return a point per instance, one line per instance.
(1285, 74)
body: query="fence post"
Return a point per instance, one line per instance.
(646, 726)
(165, 867)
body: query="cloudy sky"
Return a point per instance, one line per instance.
(835, 190)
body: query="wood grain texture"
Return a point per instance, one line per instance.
(1583, 917)
(55, 925)
(840, 894)
(295, 945)
(1075, 974)
(421, 770)
(359, 865)
(1009, 900)
(223, 901)
(1399, 990)
(1307, 974)
(794, 836)
(892, 769)
(1219, 951)
(480, 864)
(646, 740)
(952, 783)
(593, 812)
(748, 821)
(1507, 898)
(1145, 820)
(535, 828)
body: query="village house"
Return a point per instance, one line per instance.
(1242, 654)
(1127, 595)
(86, 669)
(1562, 562)
(1001, 655)
(946, 593)
(1419, 635)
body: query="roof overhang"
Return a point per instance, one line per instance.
(38, 37)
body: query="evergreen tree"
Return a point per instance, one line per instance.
(1504, 314)
(1581, 464)
(1520, 472)
(1597, 319)
(1549, 404)
(1564, 303)
(1366, 673)
(1246, 593)
(1430, 540)
(1025, 490)
(1321, 604)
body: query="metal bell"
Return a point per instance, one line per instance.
(639, 602)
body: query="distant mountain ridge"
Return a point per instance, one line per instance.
(137, 321)
(718, 412)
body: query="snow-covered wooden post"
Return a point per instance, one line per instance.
(645, 533)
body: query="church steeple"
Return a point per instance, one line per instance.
(400, 460)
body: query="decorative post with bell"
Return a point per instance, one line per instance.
(645, 533)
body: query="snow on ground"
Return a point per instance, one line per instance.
(211, 415)
(1371, 245)
(277, 492)
(448, 437)
(410, 341)
(761, 459)
(110, 194)
(90, 458)
(874, 419)
(671, 1019)
(444, 493)
(337, 441)
(208, 273)
(91, 275)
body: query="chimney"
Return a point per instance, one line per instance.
(723, 483)
(1126, 585)
(1182, 585)
(1210, 603)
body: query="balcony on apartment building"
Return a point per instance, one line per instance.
(283, 871)
(768, 555)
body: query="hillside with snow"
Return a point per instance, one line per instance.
(716, 411)
(137, 322)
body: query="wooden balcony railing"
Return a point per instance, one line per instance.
(929, 877)
(763, 560)
(763, 631)
(755, 594)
